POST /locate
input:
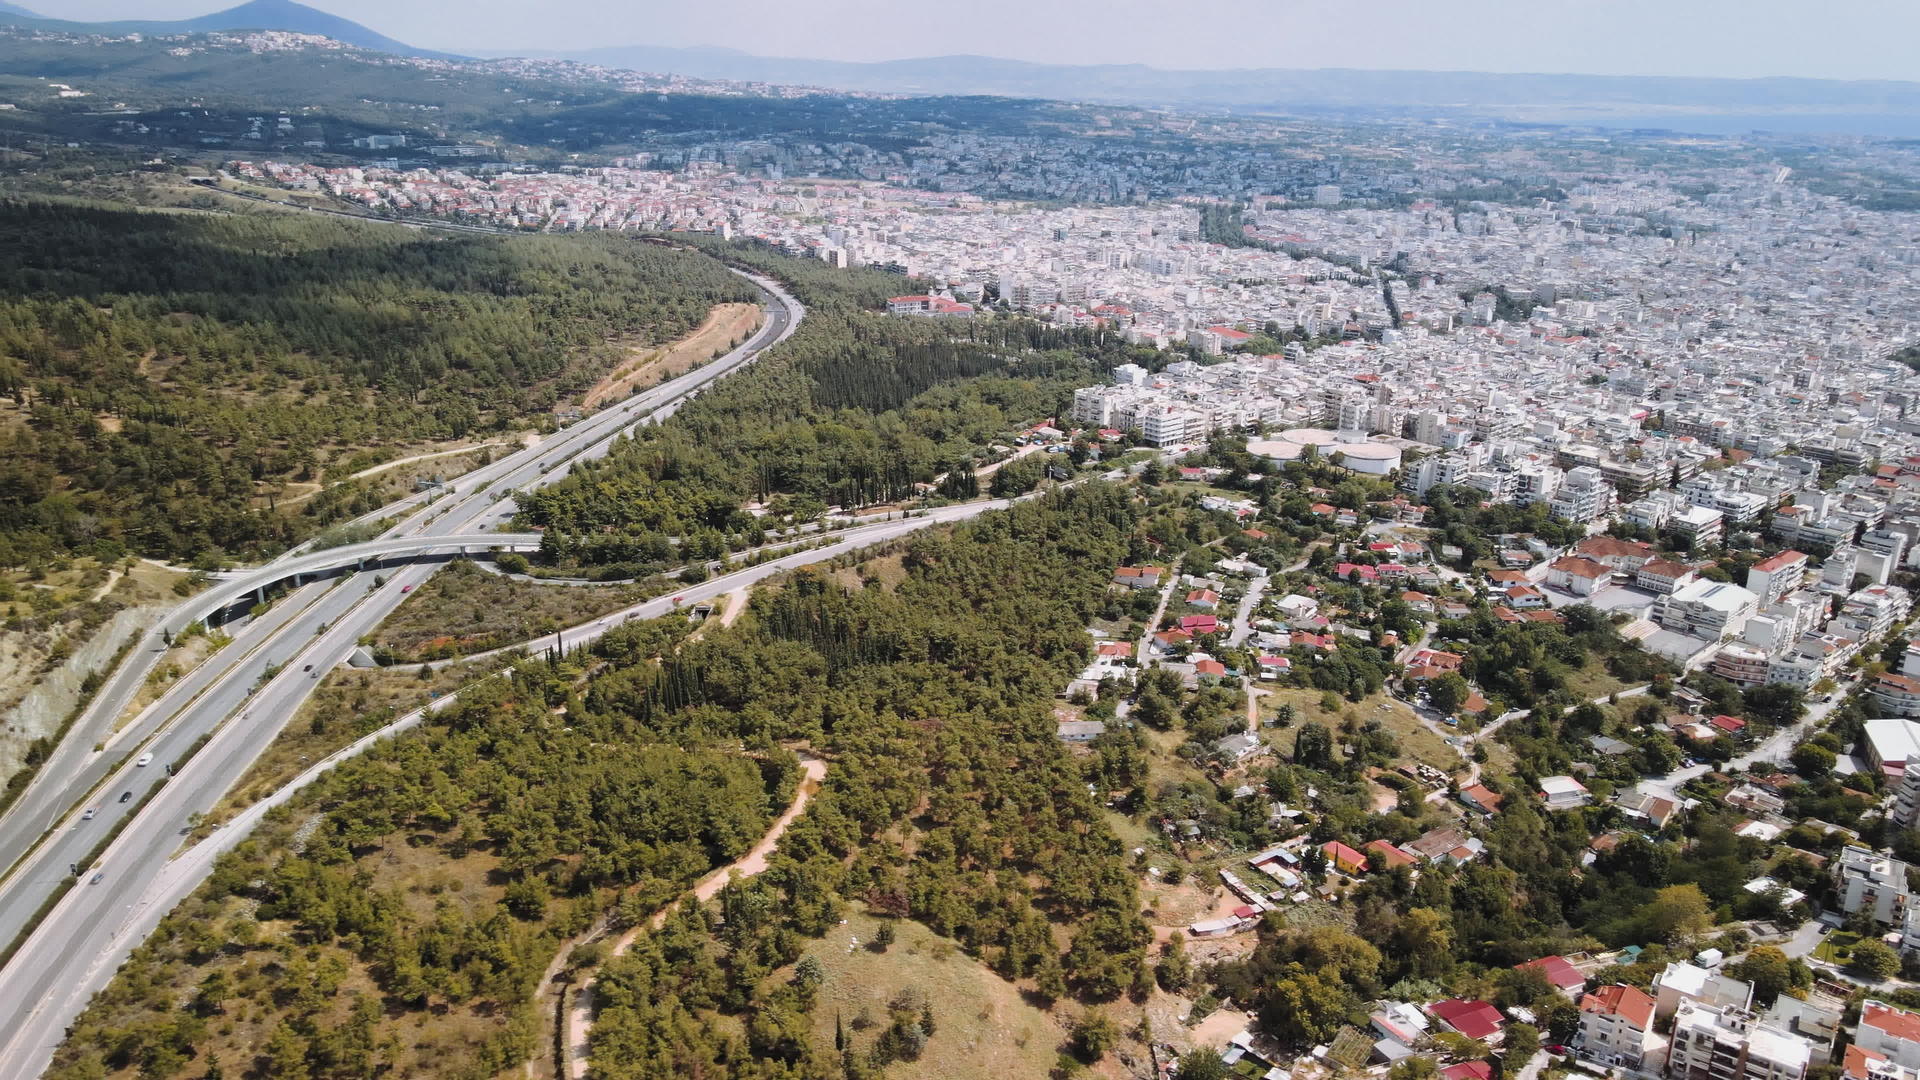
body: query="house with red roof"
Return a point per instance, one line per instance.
(1199, 624)
(1732, 725)
(1481, 798)
(1205, 599)
(1561, 975)
(1470, 1017)
(1210, 670)
(1344, 858)
(1522, 597)
(1616, 1025)
(1138, 577)
(1468, 1070)
(1385, 856)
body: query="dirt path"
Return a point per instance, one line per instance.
(724, 325)
(99, 594)
(397, 462)
(580, 1016)
(736, 606)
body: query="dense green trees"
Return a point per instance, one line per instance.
(855, 409)
(513, 828)
(176, 370)
(950, 801)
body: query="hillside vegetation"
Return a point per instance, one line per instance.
(397, 915)
(167, 375)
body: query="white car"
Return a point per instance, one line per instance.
(145, 760)
(88, 816)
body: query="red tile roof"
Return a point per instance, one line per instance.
(1630, 1003)
(1898, 1023)
(1344, 857)
(1559, 973)
(1474, 1019)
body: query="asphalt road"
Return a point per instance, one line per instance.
(74, 951)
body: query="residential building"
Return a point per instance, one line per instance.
(1583, 495)
(1725, 1043)
(1472, 1018)
(1706, 609)
(1742, 664)
(1872, 884)
(1682, 982)
(1891, 1032)
(1895, 694)
(1563, 793)
(1559, 972)
(1616, 1026)
(1776, 576)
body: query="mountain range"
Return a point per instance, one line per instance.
(1682, 103)
(253, 15)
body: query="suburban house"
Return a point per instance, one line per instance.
(1481, 798)
(1204, 599)
(1138, 577)
(1472, 1018)
(1561, 975)
(1383, 855)
(1347, 860)
(1080, 731)
(1562, 792)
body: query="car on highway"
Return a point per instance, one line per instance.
(95, 879)
(88, 816)
(125, 795)
(145, 760)
(406, 588)
(309, 667)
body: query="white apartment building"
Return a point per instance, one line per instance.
(1683, 982)
(1871, 611)
(1706, 609)
(1725, 1043)
(1897, 695)
(1583, 495)
(1774, 577)
(1872, 883)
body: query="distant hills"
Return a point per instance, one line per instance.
(1604, 100)
(1722, 106)
(254, 15)
(1136, 83)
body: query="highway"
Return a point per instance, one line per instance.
(43, 987)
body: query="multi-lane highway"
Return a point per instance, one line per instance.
(232, 703)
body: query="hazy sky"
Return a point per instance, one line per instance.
(1849, 39)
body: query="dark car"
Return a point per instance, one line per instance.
(125, 795)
